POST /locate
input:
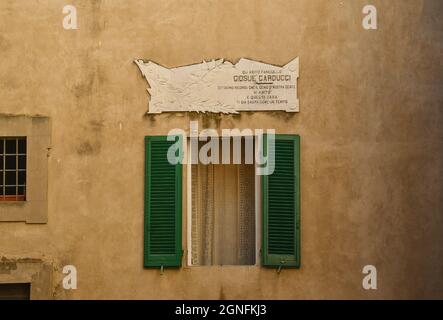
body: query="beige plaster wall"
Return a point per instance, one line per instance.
(370, 125)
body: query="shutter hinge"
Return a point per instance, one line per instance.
(280, 266)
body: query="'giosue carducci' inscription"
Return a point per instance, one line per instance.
(222, 87)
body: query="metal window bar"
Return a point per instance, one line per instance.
(18, 194)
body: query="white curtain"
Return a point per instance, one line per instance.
(223, 214)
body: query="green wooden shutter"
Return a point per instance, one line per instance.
(163, 206)
(281, 204)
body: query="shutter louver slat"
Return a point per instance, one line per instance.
(281, 211)
(163, 246)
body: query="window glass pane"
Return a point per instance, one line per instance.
(11, 146)
(1, 189)
(1, 162)
(21, 191)
(21, 177)
(10, 162)
(10, 191)
(10, 178)
(22, 145)
(1, 145)
(21, 162)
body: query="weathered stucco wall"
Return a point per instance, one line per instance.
(370, 125)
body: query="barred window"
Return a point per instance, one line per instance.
(12, 168)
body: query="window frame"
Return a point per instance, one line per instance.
(37, 130)
(17, 170)
(257, 208)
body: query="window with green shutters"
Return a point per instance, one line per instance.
(281, 204)
(280, 194)
(163, 206)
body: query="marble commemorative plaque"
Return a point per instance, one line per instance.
(222, 87)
